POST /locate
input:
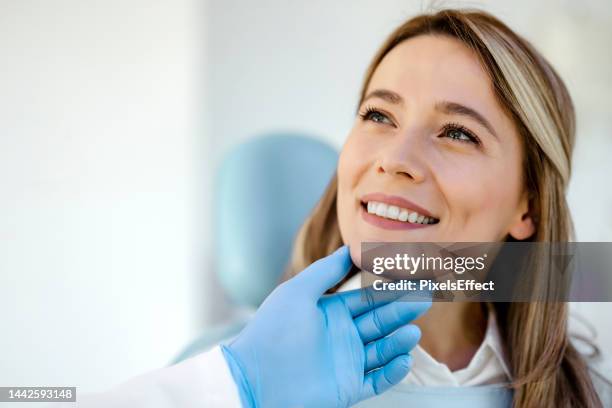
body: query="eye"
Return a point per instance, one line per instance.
(376, 116)
(460, 133)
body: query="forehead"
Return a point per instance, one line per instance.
(433, 68)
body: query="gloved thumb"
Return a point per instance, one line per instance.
(325, 273)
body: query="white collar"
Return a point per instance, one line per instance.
(488, 366)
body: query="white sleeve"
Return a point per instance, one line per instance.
(201, 381)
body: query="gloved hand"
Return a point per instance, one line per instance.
(303, 349)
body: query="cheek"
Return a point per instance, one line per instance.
(347, 175)
(481, 194)
(359, 152)
(352, 165)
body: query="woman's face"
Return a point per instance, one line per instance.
(432, 157)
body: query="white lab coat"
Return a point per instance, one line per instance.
(201, 381)
(205, 381)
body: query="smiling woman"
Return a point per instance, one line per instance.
(464, 133)
(423, 136)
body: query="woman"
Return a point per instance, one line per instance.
(464, 132)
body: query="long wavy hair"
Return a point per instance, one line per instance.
(547, 370)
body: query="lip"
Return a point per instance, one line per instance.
(386, 223)
(398, 201)
(389, 224)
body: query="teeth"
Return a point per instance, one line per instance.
(413, 217)
(396, 213)
(393, 212)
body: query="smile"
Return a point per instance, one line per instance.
(394, 212)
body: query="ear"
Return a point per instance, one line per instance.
(523, 225)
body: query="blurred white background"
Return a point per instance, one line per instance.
(113, 115)
(100, 104)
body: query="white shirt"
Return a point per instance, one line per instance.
(488, 366)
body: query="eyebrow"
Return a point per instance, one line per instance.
(462, 110)
(386, 95)
(449, 108)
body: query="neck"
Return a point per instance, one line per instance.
(452, 332)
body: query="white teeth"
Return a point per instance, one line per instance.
(413, 217)
(397, 213)
(393, 212)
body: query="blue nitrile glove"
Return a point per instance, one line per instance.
(303, 349)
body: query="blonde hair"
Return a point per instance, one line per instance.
(547, 370)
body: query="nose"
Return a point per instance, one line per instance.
(403, 158)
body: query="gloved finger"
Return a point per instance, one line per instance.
(378, 381)
(359, 301)
(382, 351)
(386, 319)
(324, 273)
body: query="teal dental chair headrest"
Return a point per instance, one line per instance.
(266, 188)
